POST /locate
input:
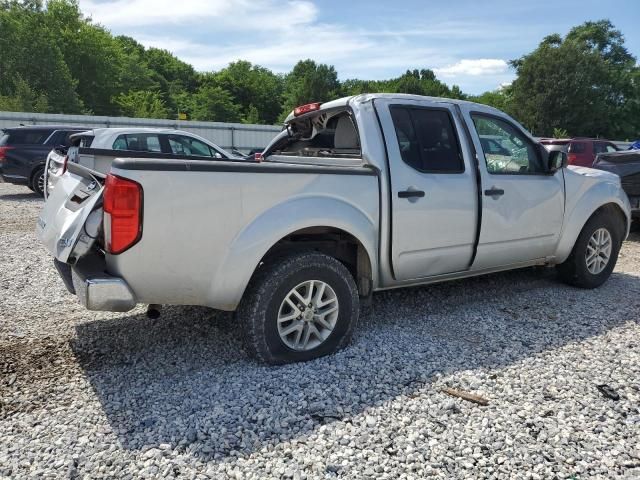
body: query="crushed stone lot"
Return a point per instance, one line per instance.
(102, 395)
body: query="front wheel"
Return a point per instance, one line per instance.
(298, 308)
(594, 254)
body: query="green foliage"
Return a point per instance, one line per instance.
(417, 82)
(54, 59)
(500, 99)
(173, 70)
(560, 133)
(583, 83)
(94, 57)
(255, 89)
(24, 99)
(141, 104)
(252, 116)
(214, 104)
(29, 51)
(310, 82)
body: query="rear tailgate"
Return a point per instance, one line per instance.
(76, 201)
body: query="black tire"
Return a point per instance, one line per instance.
(37, 181)
(574, 269)
(259, 308)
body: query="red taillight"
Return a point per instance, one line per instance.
(572, 158)
(309, 107)
(122, 213)
(257, 157)
(64, 163)
(3, 153)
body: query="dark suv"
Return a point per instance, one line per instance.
(24, 150)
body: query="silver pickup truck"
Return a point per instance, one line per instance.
(354, 196)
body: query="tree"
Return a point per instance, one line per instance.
(172, 69)
(93, 56)
(211, 103)
(256, 89)
(310, 82)
(29, 55)
(583, 83)
(137, 75)
(141, 104)
(417, 82)
(500, 99)
(24, 99)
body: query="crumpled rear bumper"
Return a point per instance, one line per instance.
(96, 289)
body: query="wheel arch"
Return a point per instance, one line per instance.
(34, 170)
(579, 218)
(326, 224)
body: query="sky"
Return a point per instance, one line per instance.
(466, 42)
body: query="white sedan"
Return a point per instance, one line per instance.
(98, 148)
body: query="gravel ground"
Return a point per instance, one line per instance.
(97, 395)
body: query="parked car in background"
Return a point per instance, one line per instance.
(356, 195)
(97, 148)
(625, 164)
(23, 152)
(581, 151)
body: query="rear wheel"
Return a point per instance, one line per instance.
(594, 254)
(298, 308)
(37, 181)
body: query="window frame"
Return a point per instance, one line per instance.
(404, 106)
(536, 146)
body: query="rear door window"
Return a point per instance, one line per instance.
(427, 140)
(27, 137)
(138, 142)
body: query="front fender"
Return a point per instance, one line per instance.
(584, 195)
(272, 225)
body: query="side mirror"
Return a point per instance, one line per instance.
(557, 160)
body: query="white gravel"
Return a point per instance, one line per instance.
(96, 395)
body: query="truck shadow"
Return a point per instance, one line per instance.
(20, 197)
(184, 380)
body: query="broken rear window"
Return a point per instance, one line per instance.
(329, 134)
